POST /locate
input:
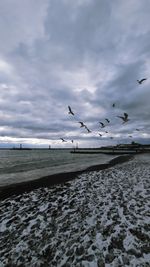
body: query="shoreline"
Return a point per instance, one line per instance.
(101, 218)
(20, 188)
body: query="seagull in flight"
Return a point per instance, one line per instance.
(70, 111)
(82, 124)
(102, 124)
(107, 120)
(142, 80)
(63, 140)
(125, 118)
(100, 134)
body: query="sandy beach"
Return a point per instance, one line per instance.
(101, 218)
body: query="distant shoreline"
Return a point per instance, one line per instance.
(20, 188)
(116, 152)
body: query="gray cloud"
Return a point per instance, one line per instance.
(86, 54)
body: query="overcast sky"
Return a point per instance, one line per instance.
(87, 54)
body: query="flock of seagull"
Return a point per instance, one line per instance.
(124, 118)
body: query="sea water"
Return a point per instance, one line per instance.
(22, 165)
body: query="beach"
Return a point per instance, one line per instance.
(100, 218)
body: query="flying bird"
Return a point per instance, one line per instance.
(142, 80)
(113, 105)
(82, 124)
(106, 132)
(111, 137)
(130, 136)
(137, 129)
(100, 134)
(89, 131)
(102, 124)
(107, 120)
(63, 140)
(71, 141)
(125, 118)
(70, 111)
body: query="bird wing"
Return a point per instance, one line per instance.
(101, 123)
(89, 131)
(121, 117)
(142, 80)
(70, 111)
(63, 140)
(82, 124)
(125, 115)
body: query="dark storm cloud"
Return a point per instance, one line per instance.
(86, 54)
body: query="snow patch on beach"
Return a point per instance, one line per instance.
(99, 219)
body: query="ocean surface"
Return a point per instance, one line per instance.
(22, 165)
